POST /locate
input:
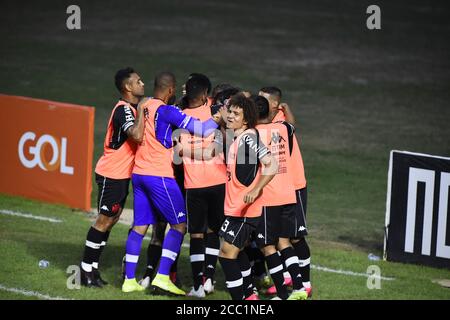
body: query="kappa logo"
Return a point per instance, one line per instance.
(231, 233)
(104, 207)
(260, 236)
(276, 138)
(302, 228)
(181, 214)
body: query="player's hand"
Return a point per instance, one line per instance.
(252, 196)
(283, 106)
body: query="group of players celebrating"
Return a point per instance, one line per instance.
(223, 165)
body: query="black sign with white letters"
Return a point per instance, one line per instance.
(417, 209)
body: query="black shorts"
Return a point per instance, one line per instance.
(237, 230)
(205, 208)
(274, 223)
(112, 194)
(298, 224)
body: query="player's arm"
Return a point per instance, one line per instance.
(269, 169)
(136, 131)
(175, 117)
(287, 112)
(268, 163)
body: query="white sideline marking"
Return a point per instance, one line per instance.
(29, 215)
(31, 293)
(349, 273)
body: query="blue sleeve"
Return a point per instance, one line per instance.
(174, 116)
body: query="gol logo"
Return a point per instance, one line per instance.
(58, 159)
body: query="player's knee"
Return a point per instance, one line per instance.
(142, 230)
(181, 227)
(269, 250)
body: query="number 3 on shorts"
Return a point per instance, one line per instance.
(225, 225)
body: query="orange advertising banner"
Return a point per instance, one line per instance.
(47, 150)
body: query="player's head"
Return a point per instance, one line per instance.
(221, 97)
(242, 113)
(273, 95)
(200, 77)
(262, 106)
(197, 88)
(165, 87)
(221, 87)
(128, 82)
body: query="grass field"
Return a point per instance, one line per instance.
(357, 94)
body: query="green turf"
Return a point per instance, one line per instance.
(357, 94)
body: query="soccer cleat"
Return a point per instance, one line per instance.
(145, 282)
(98, 277)
(288, 281)
(271, 291)
(163, 282)
(298, 295)
(199, 293)
(253, 296)
(130, 285)
(88, 279)
(309, 292)
(208, 286)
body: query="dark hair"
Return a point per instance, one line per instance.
(223, 95)
(221, 87)
(121, 76)
(248, 107)
(164, 80)
(195, 86)
(274, 91)
(201, 77)
(262, 106)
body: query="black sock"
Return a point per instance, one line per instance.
(290, 260)
(153, 256)
(304, 256)
(211, 253)
(276, 270)
(259, 263)
(233, 277)
(100, 251)
(197, 258)
(92, 248)
(246, 271)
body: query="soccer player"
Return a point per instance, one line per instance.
(154, 186)
(279, 205)
(204, 182)
(113, 170)
(245, 183)
(282, 112)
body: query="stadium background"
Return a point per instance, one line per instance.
(356, 93)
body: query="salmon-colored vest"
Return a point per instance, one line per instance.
(235, 191)
(280, 190)
(152, 158)
(116, 163)
(298, 170)
(200, 173)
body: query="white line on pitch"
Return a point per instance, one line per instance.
(29, 216)
(31, 293)
(349, 273)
